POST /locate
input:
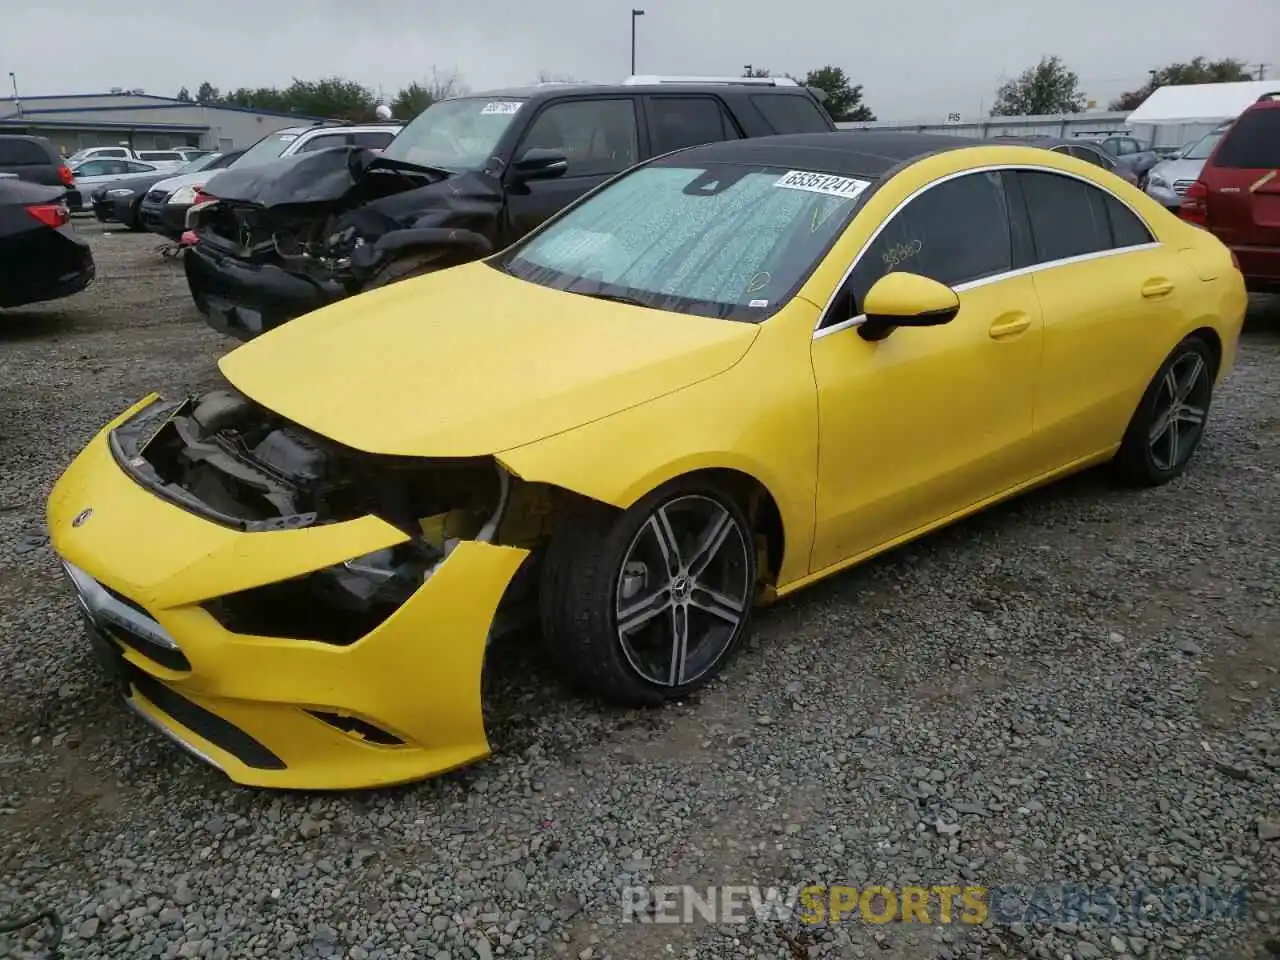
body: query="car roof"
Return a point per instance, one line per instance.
(869, 154)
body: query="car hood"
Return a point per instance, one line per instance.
(470, 361)
(315, 177)
(1172, 170)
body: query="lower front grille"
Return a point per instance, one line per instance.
(221, 733)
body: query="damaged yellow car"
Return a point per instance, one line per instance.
(725, 374)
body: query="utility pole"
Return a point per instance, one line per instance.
(17, 103)
(1262, 71)
(634, 13)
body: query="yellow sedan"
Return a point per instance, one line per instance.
(724, 375)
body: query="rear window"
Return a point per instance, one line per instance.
(791, 113)
(22, 153)
(1253, 142)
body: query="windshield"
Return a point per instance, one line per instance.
(717, 240)
(1201, 149)
(455, 135)
(199, 163)
(265, 150)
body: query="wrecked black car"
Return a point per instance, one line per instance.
(467, 177)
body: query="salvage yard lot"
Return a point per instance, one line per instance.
(1077, 687)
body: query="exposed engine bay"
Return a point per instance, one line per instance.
(340, 214)
(229, 460)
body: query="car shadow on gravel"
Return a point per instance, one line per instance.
(24, 323)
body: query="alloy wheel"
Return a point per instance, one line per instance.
(683, 591)
(1182, 403)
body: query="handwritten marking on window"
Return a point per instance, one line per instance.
(900, 252)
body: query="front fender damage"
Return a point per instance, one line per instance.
(339, 216)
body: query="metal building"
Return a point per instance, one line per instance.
(140, 120)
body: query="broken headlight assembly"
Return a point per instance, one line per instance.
(344, 602)
(224, 458)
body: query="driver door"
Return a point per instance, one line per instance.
(599, 137)
(930, 420)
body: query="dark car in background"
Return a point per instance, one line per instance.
(1136, 156)
(41, 258)
(1080, 149)
(468, 176)
(1237, 195)
(35, 160)
(122, 201)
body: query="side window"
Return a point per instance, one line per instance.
(1128, 147)
(955, 232)
(676, 122)
(131, 167)
(93, 168)
(1126, 229)
(1253, 143)
(597, 137)
(22, 153)
(1068, 217)
(373, 139)
(324, 141)
(111, 153)
(791, 113)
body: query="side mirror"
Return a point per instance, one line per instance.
(906, 300)
(539, 164)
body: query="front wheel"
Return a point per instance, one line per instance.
(646, 605)
(1169, 423)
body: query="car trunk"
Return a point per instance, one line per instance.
(1242, 180)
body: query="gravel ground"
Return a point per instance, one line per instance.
(1077, 687)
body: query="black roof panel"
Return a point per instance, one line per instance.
(868, 154)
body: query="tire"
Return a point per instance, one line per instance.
(1168, 425)
(133, 219)
(600, 562)
(404, 268)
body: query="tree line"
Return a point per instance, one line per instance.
(331, 97)
(1048, 87)
(1052, 87)
(339, 98)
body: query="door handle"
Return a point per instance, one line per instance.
(1009, 325)
(1157, 288)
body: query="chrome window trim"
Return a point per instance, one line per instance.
(821, 331)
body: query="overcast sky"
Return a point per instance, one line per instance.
(916, 59)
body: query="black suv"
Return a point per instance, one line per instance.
(34, 160)
(468, 176)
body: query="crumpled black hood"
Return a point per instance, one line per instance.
(317, 177)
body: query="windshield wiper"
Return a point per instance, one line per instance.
(614, 297)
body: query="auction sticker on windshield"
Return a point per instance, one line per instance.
(502, 106)
(832, 186)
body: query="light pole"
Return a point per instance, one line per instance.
(17, 104)
(634, 13)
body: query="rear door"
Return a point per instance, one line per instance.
(598, 136)
(1109, 292)
(686, 121)
(1243, 181)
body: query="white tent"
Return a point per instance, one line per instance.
(1201, 102)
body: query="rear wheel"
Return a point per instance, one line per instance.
(1169, 423)
(646, 605)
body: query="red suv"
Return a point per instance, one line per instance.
(1237, 197)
